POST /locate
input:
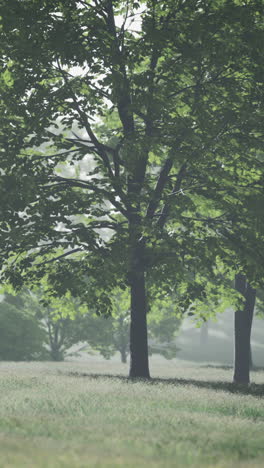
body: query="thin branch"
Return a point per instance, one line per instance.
(97, 7)
(67, 182)
(163, 178)
(122, 29)
(100, 149)
(166, 209)
(86, 124)
(122, 89)
(214, 79)
(67, 179)
(60, 256)
(87, 185)
(100, 91)
(83, 140)
(57, 155)
(207, 220)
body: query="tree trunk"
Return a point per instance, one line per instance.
(123, 356)
(243, 324)
(56, 354)
(251, 363)
(55, 345)
(139, 365)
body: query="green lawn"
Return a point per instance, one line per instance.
(78, 415)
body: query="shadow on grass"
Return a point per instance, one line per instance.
(229, 367)
(253, 389)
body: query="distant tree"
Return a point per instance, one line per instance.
(63, 331)
(22, 338)
(111, 335)
(63, 320)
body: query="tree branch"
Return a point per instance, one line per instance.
(65, 181)
(87, 185)
(163, 178)
(207, 220)
(57, 155)
(166, 209)
(99, 146)
(121, 88)
(60, 256)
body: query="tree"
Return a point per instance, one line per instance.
(21, 337)
(112, 334)
(180, 102)
(65, 321)
(62, 321)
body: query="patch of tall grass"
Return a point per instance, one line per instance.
(78, 415)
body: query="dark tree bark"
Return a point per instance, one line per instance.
(139, 363)
(243, 325)
(139, 366)
(251, 363)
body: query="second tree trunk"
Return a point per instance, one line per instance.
(243, 324)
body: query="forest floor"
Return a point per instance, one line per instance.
(88, 414)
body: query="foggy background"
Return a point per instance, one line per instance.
(214, 342)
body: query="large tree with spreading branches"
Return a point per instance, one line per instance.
(131, 138)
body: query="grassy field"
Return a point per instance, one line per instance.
(90, 415)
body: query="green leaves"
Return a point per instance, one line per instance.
(7, 78)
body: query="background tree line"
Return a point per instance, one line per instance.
(30, 329)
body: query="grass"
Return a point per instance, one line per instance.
(78, 415)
